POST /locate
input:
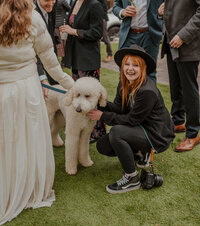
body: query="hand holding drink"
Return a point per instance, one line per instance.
(130, 10)
(63, 35)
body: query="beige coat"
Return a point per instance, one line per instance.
(39, 43)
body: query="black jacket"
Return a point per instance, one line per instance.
(105, 9)
(148, 110)
(83, 52)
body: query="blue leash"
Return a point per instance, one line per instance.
(54, 89)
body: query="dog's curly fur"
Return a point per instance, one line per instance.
(71, 110)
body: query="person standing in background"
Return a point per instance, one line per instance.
(27, 165)
(106, 38)
(82, 52)
(181, 43)
(62, 7)
(47, 10)
(140, 25)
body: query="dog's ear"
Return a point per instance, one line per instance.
(68, 97)
(103, 97)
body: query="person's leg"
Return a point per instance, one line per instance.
(146, 42)
(106, 40)
(188, 72)
(188, 75)
(124, 141)
(104, 147)
(177, 109)
(131, 39)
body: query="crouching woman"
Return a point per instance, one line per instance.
(138, 115)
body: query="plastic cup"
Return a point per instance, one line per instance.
(63, 35)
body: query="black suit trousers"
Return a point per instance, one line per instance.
(184, 92)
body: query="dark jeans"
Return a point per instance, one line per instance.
(184, 92)
(123, 142)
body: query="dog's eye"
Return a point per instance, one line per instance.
(87, 96)
(78, 95)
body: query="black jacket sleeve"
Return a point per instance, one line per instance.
(95, 30)
(143, 105)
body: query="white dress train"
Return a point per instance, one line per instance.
(26, 155)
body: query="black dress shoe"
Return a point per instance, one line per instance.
(93, 140)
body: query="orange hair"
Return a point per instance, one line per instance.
(15, 20)
(132, 88)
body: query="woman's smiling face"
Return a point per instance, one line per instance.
(131, 70)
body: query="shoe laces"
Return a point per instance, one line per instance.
(122, 181)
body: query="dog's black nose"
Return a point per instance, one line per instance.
(78, 109)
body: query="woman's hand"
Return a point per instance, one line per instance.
(68, 29)
(95, 114)
(45, 90)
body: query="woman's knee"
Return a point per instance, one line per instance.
(103, 146)
(115, 132)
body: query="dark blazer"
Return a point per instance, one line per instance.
(82, 52)
(147, 110)
(155, 25)
(51, 30)
(105, 9)
(186, 26)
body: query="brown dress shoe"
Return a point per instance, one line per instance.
(179, 128)
(188, 144)
(108, 59)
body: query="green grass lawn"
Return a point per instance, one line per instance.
(82, 200)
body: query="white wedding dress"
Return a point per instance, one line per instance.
(26, 154)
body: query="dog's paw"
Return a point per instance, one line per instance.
(71, 171)
(87, 163)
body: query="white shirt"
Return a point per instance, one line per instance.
(140, 20)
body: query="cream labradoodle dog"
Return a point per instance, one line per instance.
(71, 110)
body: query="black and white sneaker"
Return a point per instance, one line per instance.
(144, 162)
(126, 183)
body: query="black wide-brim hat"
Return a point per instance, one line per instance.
(136, 51)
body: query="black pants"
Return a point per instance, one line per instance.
(184, 92)
(123, 142)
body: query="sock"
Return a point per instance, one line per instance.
(131, 174)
